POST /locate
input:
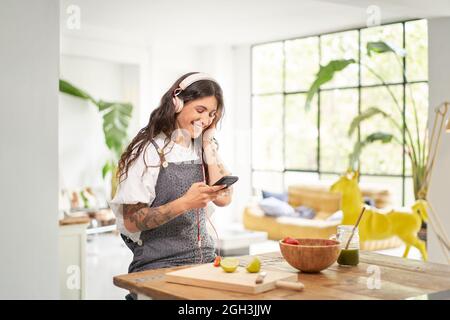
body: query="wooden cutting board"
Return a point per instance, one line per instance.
(208, 276)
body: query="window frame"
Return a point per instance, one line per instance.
(404, 83)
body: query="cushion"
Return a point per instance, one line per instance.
(305, 212)
(337, 216)
(275, 207)
(280, 196)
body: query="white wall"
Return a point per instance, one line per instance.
(134, 81)
(439, 82)
(82, 148)
(29, 59)
(242, 133)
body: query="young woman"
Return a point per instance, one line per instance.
(166, 175)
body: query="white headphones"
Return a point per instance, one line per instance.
(178, 102)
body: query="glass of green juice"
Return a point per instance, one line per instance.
(349, 256)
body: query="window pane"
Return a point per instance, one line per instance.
(393, 184)
(291, 178)
(387, 65)
(267, 68)
(417, 50)
(409, 192)
(301, 133)
(302, 63)
(416, 95)
(337, 109)
(329, 178)
(379, 158)
(267, 132)
(268, 181)
(342, 45)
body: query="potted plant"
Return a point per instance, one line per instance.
(416, 149)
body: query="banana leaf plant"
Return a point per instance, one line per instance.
(116, 119)
(416, 149)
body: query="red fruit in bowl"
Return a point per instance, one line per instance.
(290, 240)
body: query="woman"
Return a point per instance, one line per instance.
(166, 175)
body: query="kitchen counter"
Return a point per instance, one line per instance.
(74, 220)
(72, 257)
(398, 279)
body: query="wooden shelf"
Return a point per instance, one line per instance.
(74, 220)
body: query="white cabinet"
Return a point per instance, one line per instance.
(72, 261)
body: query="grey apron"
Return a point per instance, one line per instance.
(175, 242)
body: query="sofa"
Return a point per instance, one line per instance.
(328, 215)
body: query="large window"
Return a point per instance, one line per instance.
(292, 145)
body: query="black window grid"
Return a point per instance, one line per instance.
(284, 93)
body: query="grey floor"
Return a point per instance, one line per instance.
(108, 256)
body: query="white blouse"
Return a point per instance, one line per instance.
(139, 186)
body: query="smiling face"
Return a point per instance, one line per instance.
(197, 115)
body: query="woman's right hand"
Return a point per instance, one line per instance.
(199, 194)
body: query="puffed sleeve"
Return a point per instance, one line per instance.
(139, 186)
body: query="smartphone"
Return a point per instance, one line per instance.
(226, 180)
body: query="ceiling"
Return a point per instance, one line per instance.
(231, 22)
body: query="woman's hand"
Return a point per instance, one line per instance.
(199, 194)
(208, 136)
(210, 131)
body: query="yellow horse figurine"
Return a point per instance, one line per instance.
(378, 225)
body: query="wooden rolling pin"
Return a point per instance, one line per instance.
(290, 285)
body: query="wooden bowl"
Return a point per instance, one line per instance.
(312, 255)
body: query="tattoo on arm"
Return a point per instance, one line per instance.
(147, 218)
(221, 169)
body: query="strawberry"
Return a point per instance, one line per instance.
(217, 261)
(290, 240)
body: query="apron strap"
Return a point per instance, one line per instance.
(160, 152)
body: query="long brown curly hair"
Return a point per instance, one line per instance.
(163, 119)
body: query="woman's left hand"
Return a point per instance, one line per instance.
(208, 136)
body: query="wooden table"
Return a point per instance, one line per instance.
(399, 279)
